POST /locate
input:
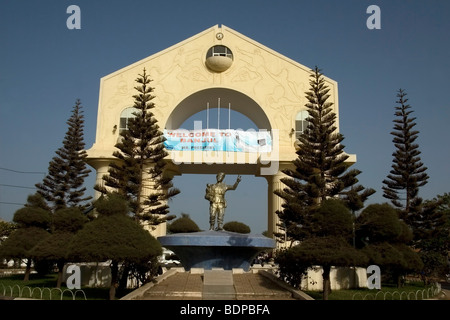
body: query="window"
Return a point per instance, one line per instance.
(220, 51)
(301, 123)
(125, 116)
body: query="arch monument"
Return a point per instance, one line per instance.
(217, 63)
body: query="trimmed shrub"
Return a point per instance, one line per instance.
(184, 224)
(235, 226)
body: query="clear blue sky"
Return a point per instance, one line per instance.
(45, 67)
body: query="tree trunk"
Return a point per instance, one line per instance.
(114, 280)
(60, 266)
(123, 281)
(27, 270)
(399, 280)
(326, 281)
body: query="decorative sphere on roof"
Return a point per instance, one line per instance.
(219, 58)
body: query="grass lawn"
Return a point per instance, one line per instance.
(411, 291)
(44, 288)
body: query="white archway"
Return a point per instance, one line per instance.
(247, 107)
(197, 102)
(263, 85)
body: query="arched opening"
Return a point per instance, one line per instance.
(192, 185)
(224, 109)
(198, 102)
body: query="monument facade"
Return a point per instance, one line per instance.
(191, 76)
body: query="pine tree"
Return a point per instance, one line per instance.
(328, 246)
(32, 226)
(431, 227)
(63, 185)
(354, 200)
(321, 170)
(383, 237)
(53, 249)
(139, 173)
(408, 173)
(114, 236)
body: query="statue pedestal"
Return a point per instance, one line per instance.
(216, 249)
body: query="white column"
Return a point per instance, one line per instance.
(148, 185)
(274, 202)
(148, 188)
(101, 167)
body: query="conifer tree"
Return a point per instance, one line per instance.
(402, 185)
(354, 200)
(328, 245)
(383, 237)
(320, 169)
(117, 237)
(32, 226)
(434, 237)
(63, 185)
(139, 174)
(408, 173)
(53, 249)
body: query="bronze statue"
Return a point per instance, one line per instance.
(215, 194)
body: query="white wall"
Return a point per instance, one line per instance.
(92, 274)
(340, 278)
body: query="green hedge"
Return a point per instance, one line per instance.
(235, 226)
(184, 224)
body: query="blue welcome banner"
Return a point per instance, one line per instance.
(218, 140)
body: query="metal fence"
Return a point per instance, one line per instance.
(427, 293)
(25, 292)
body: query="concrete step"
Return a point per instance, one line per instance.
(218, 277)
(218, 285)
